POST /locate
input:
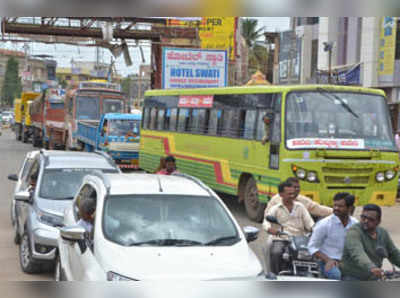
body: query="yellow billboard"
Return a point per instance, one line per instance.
(387, 46)
(214, 32)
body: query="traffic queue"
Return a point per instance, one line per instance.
(76, 213)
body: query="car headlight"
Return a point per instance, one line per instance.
(112, 276)
(312, 176)
(301, 173)
(389, 174)
(49, 219)
(380, 177)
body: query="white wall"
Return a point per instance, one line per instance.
(369, 51)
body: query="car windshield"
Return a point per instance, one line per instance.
(112, 106)
(122, 128)
(88, 108)
(62, 184)
(167, 220)
(337, 120)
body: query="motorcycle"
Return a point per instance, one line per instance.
(296, 260)
(388, 275)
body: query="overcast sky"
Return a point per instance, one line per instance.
(65, 53)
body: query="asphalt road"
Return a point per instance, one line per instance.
(12, 154)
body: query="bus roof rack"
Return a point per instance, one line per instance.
(195, 180)
(108, 157)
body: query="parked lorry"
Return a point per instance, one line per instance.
(116, 133)
(47, 114)
(87, 101)
(23, 125)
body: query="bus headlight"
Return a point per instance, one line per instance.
(380, 177)
(312, 176)
(301, 173)
(389, 174)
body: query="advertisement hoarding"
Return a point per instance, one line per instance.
(194, 68)
(214, 32)
(387, 46)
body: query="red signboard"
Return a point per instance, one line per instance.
(196, 101)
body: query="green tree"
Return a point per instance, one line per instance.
(258, 53)
(250, 32)
(12, 86)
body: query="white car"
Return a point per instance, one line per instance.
(150, 227)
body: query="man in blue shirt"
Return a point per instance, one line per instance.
(327, 240)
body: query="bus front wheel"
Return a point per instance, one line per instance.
(254, 208)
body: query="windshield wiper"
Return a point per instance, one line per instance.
(344, 105)
(168, 242)
(229, 240)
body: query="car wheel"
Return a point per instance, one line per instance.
(58, 272)
(28, 264)
(254, 208)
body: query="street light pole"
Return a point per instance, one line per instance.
(328, 46)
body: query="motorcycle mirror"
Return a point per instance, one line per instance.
(272, 219)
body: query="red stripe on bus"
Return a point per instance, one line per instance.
(217, 165)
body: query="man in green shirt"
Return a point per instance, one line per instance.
(362, 255)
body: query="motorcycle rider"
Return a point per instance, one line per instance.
(362, 255)
(327, 240)
(314, 208)
(295, 220)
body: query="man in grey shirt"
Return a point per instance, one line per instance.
(327, 240)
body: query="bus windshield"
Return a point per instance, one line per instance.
(334, 120)
(120, 128)
(112, 106)
(87, 108)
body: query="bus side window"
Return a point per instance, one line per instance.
(250, 124)
(153, 118)
(213, 122)
(182, 119)
(220, 117)
(228, 130)
(167, 116)
(194, 121)
(172, 119)
(260, 125)
(145, 117)
(188, 121)
(204, 118)
(160, 119)
(233, 124)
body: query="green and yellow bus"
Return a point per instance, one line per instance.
(333, 138)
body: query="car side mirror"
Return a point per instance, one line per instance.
(251, 233)
(23, 196)
(72, 233)
(13, 177)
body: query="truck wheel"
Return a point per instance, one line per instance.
(28, 264)
(35, 141)
(254, 208)
(24, 135)
(18, 132)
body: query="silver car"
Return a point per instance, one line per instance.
(37, 210)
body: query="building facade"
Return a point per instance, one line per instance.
(365, 51)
